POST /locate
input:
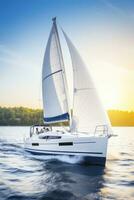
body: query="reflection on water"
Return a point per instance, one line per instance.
(27, 177)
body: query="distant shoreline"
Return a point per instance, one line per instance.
(57, 126)
(21, 116)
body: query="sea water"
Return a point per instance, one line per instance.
(27, 177)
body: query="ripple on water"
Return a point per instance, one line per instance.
(28, 177)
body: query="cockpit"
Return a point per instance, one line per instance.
(38, 129)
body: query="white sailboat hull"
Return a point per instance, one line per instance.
(92, 149)
(88, 115)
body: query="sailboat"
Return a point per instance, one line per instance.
(89, 127)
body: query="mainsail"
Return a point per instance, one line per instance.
(88, 112)
(55, 103)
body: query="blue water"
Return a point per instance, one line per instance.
(27, 177)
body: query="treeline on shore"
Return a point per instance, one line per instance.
(20, 116)
(121, 118)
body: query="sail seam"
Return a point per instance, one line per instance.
(51, 74)
(83, 89)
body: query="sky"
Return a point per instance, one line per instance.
(101, 30)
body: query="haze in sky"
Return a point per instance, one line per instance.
(101, 30)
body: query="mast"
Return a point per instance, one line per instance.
(63, 69)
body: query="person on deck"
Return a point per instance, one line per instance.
(37, 132)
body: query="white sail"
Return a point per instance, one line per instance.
(53, 83)
(88, 112)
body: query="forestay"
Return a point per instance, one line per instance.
(53, 82)
(87, 109)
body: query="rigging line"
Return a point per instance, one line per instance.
(51, 74)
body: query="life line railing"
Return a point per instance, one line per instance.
(101, 130)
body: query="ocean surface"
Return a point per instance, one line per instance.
(27, 177)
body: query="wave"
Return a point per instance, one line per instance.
(61, 158)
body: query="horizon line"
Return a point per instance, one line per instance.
(37, 108)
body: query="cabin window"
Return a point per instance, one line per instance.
(50, 137)
(54, 137)
(35, 144)
(65, 143)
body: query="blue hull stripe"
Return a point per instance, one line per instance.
(93, 160)
(57, 118)
(45, 151)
